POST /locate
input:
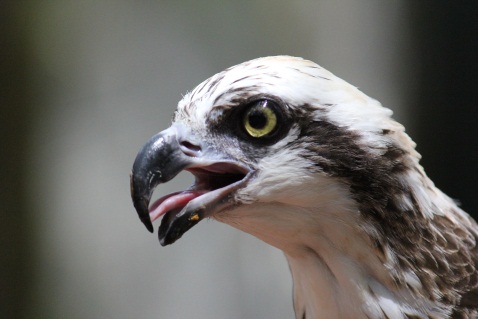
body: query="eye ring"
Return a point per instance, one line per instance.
(260, 119)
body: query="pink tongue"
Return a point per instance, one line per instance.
(171, 201)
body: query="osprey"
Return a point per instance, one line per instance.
(286, 151)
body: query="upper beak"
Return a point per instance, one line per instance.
(164, 156)
(157, 162)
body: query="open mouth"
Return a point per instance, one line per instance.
(211, 192)
(216, 180)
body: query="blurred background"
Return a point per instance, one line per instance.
(83, 84)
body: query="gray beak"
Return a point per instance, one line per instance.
(163, 157)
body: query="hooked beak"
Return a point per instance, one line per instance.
(163, 157)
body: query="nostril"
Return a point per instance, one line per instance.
(190, 149)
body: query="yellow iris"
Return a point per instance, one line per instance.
(260, 120)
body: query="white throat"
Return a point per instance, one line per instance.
(337, 268)
(336, 274)
(331, 260)
(322, 292)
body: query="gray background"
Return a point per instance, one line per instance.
(86, 83)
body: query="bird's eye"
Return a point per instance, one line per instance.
(260, 118)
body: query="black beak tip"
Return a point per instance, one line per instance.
(141, 206)
(149, 225)
(163, 242)
(141, 203)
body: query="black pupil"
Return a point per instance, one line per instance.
(257, 119)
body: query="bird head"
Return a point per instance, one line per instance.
(288, 152)
(262, 137)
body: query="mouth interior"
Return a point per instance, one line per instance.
(218, 176)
